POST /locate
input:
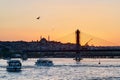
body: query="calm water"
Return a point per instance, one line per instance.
(65, 69)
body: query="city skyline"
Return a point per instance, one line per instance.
(59, 18)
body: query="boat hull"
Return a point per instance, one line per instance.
(13, 69)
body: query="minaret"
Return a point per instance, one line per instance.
(40, 37)
(48, 38)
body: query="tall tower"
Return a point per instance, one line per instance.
(78, 38)
(78, 46)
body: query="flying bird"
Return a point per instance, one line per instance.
(38, 17)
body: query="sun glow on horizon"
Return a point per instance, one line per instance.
(58, 18)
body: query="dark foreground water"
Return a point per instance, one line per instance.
(65, 69)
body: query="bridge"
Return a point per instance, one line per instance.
(81, 51)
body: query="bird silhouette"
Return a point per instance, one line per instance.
(38, 17)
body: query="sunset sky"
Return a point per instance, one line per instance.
(58, 18)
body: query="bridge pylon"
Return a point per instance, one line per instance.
(78, 46)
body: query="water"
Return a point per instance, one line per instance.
(65, 69)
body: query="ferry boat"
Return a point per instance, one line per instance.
(14, 66)
(42, 62)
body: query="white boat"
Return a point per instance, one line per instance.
(42, 62)
(14, 66)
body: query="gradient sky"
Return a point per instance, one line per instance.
(100, 18)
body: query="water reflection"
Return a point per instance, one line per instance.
(65, 69)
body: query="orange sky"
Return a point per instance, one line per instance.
(100, 18)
